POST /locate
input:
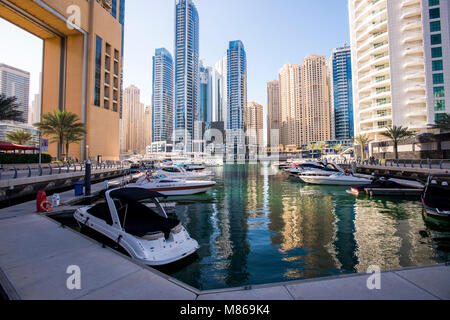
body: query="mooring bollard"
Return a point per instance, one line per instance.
(87, 178)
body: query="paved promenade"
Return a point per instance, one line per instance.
(36, 251)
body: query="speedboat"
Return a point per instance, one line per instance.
(174, 172)
(146, 234)
(337, 179)
(314, 169)
(436, 198)
(172, 187)
(385, 186)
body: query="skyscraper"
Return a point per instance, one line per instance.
(162, 98)
(236, 85)
(399, 55)
(206, 94)
(342, 93)
(315, 96)
(273, 109)
(254, 124)
(186, 73)
(290, 105)
(134, 140)
(220, 90)
(16, 83)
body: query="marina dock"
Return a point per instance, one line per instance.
(35, 252)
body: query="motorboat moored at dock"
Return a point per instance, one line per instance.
(146, 234)
(337, 179)
(174, 172)
(172, 187)
(436, 197)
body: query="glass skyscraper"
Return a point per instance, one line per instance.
(206, 83)
(236, 85)
(186, 73)
(162, 111)
(16, 83)
(342, 93)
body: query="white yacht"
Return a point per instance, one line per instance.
(146, 234)
(337, 179)
(172, 187)
(314, 169)
(178, 172)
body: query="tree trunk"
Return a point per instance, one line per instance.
(396, 150)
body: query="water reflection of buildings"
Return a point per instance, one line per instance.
(306, 229)
(231, 243)
(388, 234)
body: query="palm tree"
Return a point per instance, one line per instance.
(396, 134)
(363, 140)
(339, 148)
(9, 109)
(20, 137)
(64, 128)
(444, 123)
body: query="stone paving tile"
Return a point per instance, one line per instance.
(33, 238)
(143, 285)
(435, 280)
(269, 293)
(393, 287)
(47, 279)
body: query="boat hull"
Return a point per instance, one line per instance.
(333, 181)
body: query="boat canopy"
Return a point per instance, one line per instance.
(135, 194)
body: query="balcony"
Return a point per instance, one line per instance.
(406, 3)
(417, 100)
(415, 88)
(415, 75)
(411, 12)
(413, 37)
(414, 62)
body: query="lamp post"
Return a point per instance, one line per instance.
(40, 148)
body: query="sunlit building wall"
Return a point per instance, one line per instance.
(399, 54)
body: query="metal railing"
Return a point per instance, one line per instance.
(13, 172)
(439, 164)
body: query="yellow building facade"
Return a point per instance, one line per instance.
(82, 65)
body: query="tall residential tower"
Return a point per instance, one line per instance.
(186, 73)
(342, 93)
(16, 83)
(400, 54)
(162, 97)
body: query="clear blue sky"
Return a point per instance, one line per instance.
(274, 32)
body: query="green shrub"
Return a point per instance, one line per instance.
(11, 158)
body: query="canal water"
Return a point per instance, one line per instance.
(259, 226)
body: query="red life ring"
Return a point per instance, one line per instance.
(47, 206)
(347, 173)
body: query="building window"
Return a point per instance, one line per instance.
(438, 78)
(436, 39)
(433, 3)
(439, 105)
(438, 65)
(379, 79)
(438, 117)
(435, 26)
(98, 70)
(436, 52)
(435, 13)
(439, 92)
